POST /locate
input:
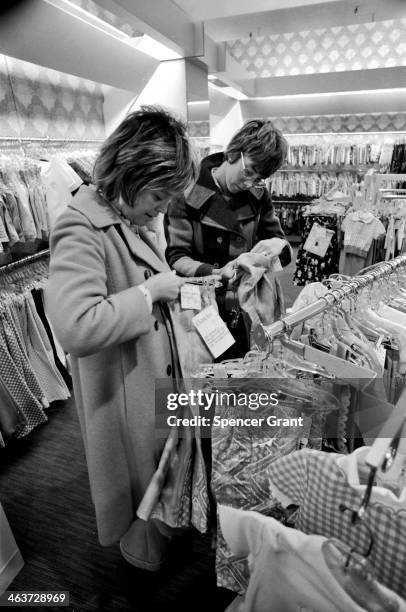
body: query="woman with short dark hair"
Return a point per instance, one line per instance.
(106, 297)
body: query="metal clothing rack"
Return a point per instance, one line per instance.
(264, 334)
(24, 261)
(291, 201)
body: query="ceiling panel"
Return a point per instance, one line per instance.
(201, 10)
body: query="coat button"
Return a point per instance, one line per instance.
(216, 265)
(156, 325)
(169, 370)
(219, 239)
(238, 239)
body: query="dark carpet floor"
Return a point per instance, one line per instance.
(45, 493)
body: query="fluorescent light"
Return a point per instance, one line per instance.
(232, 92)
(330, 93)
(144, 43)
(198, 102)
(212, 77)
(148, 45)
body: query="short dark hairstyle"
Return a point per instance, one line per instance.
(148, 150)
(262, 142)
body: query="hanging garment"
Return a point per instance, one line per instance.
(309, 267)
(12, 420)
(192, 349)
(241, 456)
(60, 180)
(13, 374)
(41, 358)
(318, 483)
(360, 228)
(178, 493)
(11, 204)
(259, 292)
(292, 572)
(58, 352)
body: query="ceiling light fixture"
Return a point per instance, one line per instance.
(329, 94)
(148, 45)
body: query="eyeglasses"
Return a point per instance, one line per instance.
(249, 175)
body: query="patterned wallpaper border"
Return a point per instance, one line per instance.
(107, 16)
(198, 129)
(361, 46)
(40, 102)
(369, 122)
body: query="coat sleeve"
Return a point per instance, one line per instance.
(85, 317)
(179, 238)
(269, 227)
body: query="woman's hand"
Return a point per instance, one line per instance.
(164, 286)
(228, 271)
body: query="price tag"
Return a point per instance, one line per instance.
(213, 330)
(318, 240)
(190, 297)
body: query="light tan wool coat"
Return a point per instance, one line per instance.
(118, 350)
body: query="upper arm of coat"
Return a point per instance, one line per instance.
(85, 317)
(179, 238)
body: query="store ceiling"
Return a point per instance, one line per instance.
(215, 9)
(261, 47)
(252, 44)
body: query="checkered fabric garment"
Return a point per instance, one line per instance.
(17, 375)
(313, 480)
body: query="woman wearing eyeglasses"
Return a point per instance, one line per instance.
(227, 212)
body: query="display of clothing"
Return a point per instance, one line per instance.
(291, 571)
(30, 380)
(317, 482)
(277, 495)
(336, 153)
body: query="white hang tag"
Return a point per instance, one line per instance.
(190, 297)
(380, 352)
(318, 240)
(213, 330)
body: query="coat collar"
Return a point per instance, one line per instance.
(101, 215)
(205, 187)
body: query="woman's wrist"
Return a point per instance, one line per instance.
(147, 294)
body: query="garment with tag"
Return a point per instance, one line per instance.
(118, 350)
(207, 229)
(310, 267)
(259, 292)
(319, 483)
(290, 571)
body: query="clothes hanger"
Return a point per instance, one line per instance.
(383, 450)
(212, 281)
(354, 374)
